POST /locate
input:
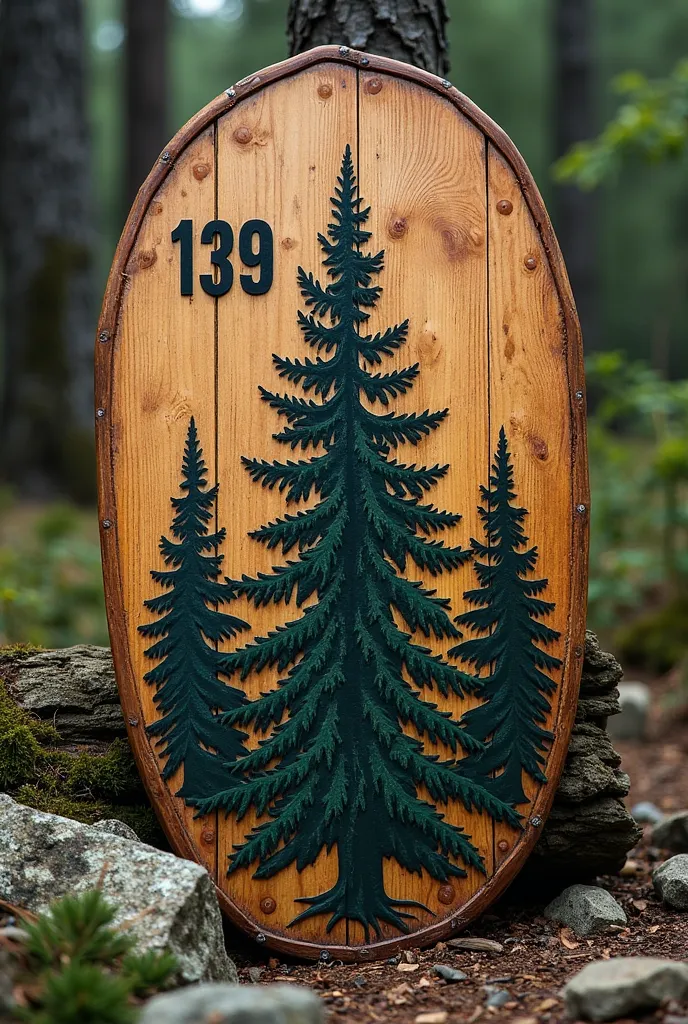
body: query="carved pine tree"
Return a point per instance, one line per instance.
(189, 692)
(338, 769)
(507, 612)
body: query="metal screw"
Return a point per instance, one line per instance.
(324, 955)
(364, 952)
(343, 50)
(536, 821)
(107, 523)
(231, 93)
(581, 509)
(104, 336)
(166, 157)
(530, 263)
(100, 413)
(446, 83)
(133, 721)
(579, 394)
(260, 937)
(365, 61)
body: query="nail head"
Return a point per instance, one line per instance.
(132, 720)
(231, 93)
(581, 509)
(166, 157)
(242, 135)
(530, 262)
(343, 50)
(268, 905)
(107, 523)
(446, 83)
(260, 937)
(536, 821)
(373, 85)
(445, 894)
(104, 336)
(100, 413)
(505, 207)
(579, 394)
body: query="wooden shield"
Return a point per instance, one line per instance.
(344, 503)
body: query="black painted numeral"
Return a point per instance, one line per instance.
(219, 257)
(264, 258)
(220, 281)
(184, 233)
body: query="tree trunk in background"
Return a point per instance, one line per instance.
(46, 408)
(147, 89)
(414, 31)
(574, 210)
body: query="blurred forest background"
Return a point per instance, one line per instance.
(595, 95)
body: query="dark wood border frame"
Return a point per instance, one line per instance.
(106, 442)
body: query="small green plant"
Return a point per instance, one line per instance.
(78, 969)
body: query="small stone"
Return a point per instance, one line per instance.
(434, 1017)
(477, 945)
(116, 828)
(646, 813)
(631, 724)
(407, 967)
(670, 880)
(671, 833)
(607, 989)
(496, 997)
(236, 1004)
(449, 973)
(586, 910)
(360, 981)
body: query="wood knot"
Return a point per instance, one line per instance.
(147, 258)
(324, 90)
(242, 135)
(287, 243)
(398, 227)
(373, 85)
(538, 447)
(201, 171)
(207, 836)
(268, 905)
(503, 845)
(446, 894)
(155, 208)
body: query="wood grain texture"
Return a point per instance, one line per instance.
(432, 167)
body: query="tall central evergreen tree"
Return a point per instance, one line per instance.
(507, 611)
(338, 769)
(189, 692)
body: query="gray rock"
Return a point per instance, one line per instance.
(449, 973)
(73, 688)
(647, 813)
(165, 902)
(670, 880)
(671, 833)
(586, 910)
(631, 724)
(607, 989)
(116, 828)
(496, 997)
(236, 1004)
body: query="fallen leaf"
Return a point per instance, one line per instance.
(433, 1017)
(477, 945)
(640, 905)
(654, 928)
(407, 967)
(566, 939)
(546, 1004)
(631, 868)
(423, 983)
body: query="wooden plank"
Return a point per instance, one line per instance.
(279, 155)
(163, 374)
(422, 168)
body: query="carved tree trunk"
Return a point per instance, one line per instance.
(414, 31)
(574, 121)
(46, 406)
(147, 89)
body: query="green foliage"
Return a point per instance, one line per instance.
(638, 441)
(338, 768)
(506, 613)
(188, 692)
(78, 969)
(51, 586)
(651, 124)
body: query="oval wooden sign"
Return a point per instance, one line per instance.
(344, 502)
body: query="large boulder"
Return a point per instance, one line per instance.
(607, 989)
(165, 902)
(233, 1004)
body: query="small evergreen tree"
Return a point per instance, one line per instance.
(339, 769)
(507, 612)
(188, 691)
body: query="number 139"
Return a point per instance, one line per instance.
(220, 282)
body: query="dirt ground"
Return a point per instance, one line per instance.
(537, 956)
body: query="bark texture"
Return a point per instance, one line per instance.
(147, 92)
(414, 31)
(574, 120)
(46, 240)
(589, 831)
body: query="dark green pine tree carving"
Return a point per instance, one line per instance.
(189, 693)
(338, 770)
(507, 612)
